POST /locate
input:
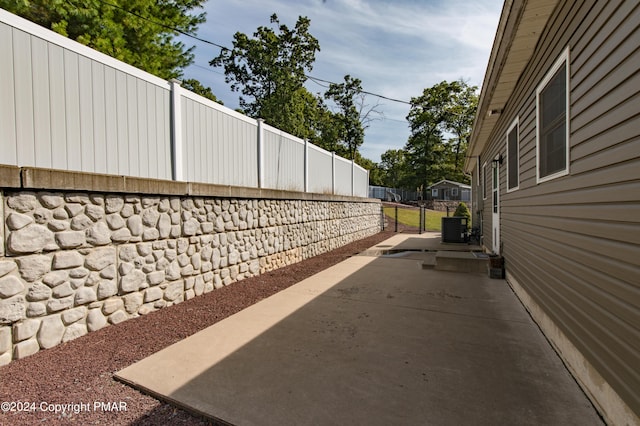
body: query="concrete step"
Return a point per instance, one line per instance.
(458, 261)
(429, 263)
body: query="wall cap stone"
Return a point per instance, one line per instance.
(10, 176)
(34, 178)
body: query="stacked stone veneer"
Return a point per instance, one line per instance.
(71, 263)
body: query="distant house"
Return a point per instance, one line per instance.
(555, 161)
(447, 190)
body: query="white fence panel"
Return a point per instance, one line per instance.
(283, 160)
(343, 176)
(320, 170)
(219, 145)
(8, 154)
(360, 182)
(66, 106)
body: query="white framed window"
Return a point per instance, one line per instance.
(454, 192)
(434, 192)
(484, 181)
(513, 156)
(552, 121)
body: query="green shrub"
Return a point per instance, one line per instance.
(463, 210)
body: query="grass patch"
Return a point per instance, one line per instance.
(411, 217)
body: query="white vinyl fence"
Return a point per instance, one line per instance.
(218, 145)
(66, 106)
(284, 160)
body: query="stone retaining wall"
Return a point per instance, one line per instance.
(442, 205)
(74, 262)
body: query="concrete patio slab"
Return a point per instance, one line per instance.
(377, 341)
(428, 242)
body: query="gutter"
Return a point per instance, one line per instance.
(519, 29)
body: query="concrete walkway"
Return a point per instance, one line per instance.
(374, 340)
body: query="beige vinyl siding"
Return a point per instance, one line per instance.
(573, 243)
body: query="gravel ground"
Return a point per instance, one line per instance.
(81, 371)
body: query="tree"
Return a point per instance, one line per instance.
(354, 114)
(463, 111)
(425, 160)
(427, 118)
(269, 70)
(462, 210)
(295, 112)
(139, 32)
(352, 132)
(445, 107)
(394, 167)
(326, 129)
(196, 87)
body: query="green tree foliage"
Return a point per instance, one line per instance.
(295, 113)
(196, 87)
(446, 108)
(376, 175)
(326, 129)
(462, 210)
(463, 111)
(139, 32)
(394, 168)
(352, 130)
(269, 70)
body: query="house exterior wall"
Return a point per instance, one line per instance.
(572, 243)
(445, 192)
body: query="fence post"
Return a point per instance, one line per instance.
(306, 165)
(177, 172)
(367, 183)
(396, 230)
(260, 153)
(353, 177)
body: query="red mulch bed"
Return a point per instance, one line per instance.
(81, 371)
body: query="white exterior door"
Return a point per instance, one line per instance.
(495, 205)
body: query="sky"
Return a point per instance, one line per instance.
(397, 48)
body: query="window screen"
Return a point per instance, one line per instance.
(513, 158)
(552, 149)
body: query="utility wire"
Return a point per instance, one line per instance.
(314, 79)
(206, 68)
(163, 25)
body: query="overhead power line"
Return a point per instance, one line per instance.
(163, 25)
(315, 79)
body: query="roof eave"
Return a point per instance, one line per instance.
(519, 29)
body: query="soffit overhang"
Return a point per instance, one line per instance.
(519, 29)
